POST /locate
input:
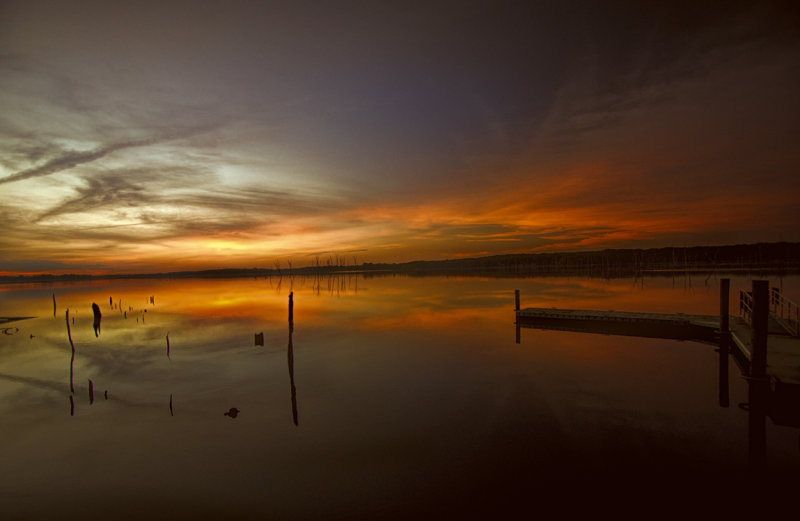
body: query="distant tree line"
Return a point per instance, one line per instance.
(778, 256)
(617, 262)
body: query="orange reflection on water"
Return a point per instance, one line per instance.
(357, 302)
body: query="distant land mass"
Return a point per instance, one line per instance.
(761, 257)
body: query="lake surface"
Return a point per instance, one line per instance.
(392, 397)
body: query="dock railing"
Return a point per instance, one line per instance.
(746, 306)
(786, 312)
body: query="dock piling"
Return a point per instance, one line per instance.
(760, 322)
(516, 300)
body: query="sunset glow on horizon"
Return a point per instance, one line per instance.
(151, 137)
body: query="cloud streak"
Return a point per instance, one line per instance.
(73, 158)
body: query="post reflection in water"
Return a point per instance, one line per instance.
(763, 401)
(290, 357)
(758, 393)
(72, 359)
(724, 347)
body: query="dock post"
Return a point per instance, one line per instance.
(760, 321)
(516, 300)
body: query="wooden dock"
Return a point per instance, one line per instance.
(764, 343)
(783, 350)
(629, 323)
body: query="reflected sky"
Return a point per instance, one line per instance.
(411, 392)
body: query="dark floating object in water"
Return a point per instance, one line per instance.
(97, 317)
(71, 406)
(259, 339)
(168, 358)
(54, 304)
(111, 302)
(233, 412)
(170, 405)
(11, 331)
(91, 392)
(152, 300)
(105, 394)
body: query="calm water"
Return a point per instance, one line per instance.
(401, 397)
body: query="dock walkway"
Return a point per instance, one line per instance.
(764, 342)
(630, 317)
(782, 342)
(678, 326)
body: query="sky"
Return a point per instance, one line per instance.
(155, 135)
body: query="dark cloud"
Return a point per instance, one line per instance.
(458, 240)
(72, 159)
(41, 265)
(24, 149)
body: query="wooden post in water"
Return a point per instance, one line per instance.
(760, 321)
(291, 308)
